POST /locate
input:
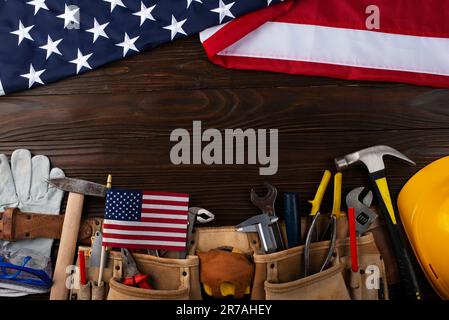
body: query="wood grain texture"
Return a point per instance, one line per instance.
(117, 120)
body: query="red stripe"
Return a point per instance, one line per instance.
(410, 17)
(166, 202)
(163, 220)
(167, 194)
(167, 211)
(141, 246)
(331, 70)
(137, 228)
(139, 237)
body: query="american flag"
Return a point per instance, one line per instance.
(145, 220)
(42, 41)
(383, 40)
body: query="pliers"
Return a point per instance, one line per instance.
(132, 275)
(315, 213)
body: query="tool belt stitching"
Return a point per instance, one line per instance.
(312, 279)
(191, 261)
(165, 263)
(214, 230)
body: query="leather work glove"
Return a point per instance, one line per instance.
(225, 273)
(24, 185)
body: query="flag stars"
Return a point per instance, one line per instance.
(33, 76)
(224, 10)
(38, 4)
(176, 27)
(189, 2)
(115, 3)
(128, 44)
(51, 47)
(69, 15)
(81, 61)
(145, 13)
(23, 32)
(98, 30)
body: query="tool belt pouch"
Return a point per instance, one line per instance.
(280, 275)
(172, 279)
(205, 240)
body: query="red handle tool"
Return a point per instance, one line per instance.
(139, 281)
(82, 263)
(353, 240)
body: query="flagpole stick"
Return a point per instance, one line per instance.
(103, 248)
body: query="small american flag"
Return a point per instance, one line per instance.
(145, 220)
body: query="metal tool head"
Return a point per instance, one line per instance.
(265, 203)
(354, 197)
(364, 215)
(79, 186)
(262, 219)
(129, 264)
(201, 215)
(371, 157)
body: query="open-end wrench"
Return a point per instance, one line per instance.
(266, 205)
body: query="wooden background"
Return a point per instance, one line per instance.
(118, 120)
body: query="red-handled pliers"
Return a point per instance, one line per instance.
(132, 276)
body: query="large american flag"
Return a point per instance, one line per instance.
(145, 220)
(42, 41)
(381, 40)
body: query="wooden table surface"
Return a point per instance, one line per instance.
(118, 120)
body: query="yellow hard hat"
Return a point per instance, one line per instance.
(423, 205)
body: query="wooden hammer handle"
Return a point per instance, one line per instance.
(67, 246)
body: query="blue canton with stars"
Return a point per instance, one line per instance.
(124, 205)
(42, 41)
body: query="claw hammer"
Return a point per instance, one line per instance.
(372, 158)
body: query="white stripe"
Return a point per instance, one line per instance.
(2, 92)
(165, 198)
(146, 224)
(346, 47)
(206, 34)
(163, 206)
(144, 233)
(165, 216)
(146, 242)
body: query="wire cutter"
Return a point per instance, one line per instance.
(132, 275)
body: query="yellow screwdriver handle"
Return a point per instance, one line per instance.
(336, 207)
(316, 202)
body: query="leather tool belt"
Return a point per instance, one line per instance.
(16, 225)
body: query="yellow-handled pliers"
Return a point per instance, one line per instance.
(315, 213)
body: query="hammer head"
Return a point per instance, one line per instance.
(79, 186)
(371, 157)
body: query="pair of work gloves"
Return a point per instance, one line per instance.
(25, 265)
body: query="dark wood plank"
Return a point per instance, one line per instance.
(128, 136)
(179, 65)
